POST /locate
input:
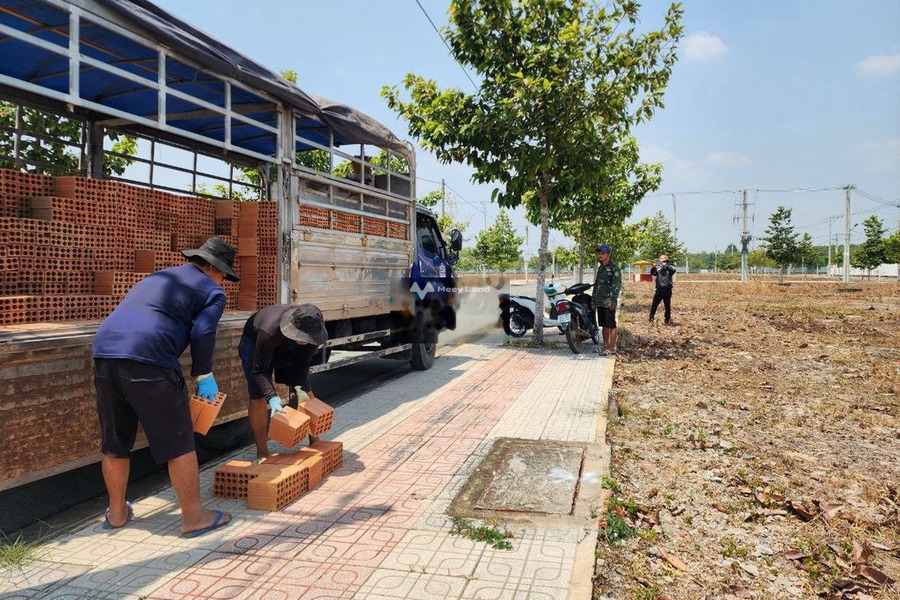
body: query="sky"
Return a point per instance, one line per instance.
(766, 95)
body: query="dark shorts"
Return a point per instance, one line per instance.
(606, 318)
(129, 392)
(245, 348)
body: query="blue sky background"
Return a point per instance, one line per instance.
(766, 95)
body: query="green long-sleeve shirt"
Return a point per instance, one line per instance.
(607, 284)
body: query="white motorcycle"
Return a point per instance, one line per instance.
(517, 312)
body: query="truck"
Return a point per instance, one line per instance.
(317, 197)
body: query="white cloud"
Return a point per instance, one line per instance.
(728, 159)
(880, 156)
(879, 65)
(703, 46)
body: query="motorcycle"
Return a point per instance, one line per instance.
(582, 325)
(517, 312)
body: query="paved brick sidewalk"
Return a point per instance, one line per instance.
(376, 528)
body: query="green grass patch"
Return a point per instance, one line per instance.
(496, 538)
(17, 554)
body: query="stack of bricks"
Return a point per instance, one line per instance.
(72, 247)
(281, 479)
(248, 251)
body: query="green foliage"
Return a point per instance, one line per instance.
(806, 253)
(431, 199)
(780, 241)
(892, 248)
(731, 549)
(491, 535)
(17, 554)
(497, 247)
(656, 237)
(53, 155)
(759, 258)
(871, 252)
(562, 85)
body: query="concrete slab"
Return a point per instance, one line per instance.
(536, 476)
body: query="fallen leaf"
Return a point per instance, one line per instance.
(801, 510)
(878, 546)
(673, 560)
(847, 586)
(872, 574)
(720, 507)
(830, 509)
(859, 555)
(796, 555)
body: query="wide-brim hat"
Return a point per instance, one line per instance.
(306, 324)
(219, 254)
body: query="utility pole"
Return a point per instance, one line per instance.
(830, 239)
(674, 218)
(443, 195)
(745, 242)
(847, 234)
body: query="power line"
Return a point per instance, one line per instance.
(876, 199)
(438, 31)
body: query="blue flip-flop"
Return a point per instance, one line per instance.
(128, 516)
(215, 525)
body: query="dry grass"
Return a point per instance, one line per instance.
(763, 395)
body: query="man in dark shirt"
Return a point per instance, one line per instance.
(138, 377)
(280, 339)
(664, 274)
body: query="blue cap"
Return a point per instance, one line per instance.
(603, 248)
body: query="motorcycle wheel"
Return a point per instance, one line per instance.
(505, 317)
(518, 323)
(574, 334)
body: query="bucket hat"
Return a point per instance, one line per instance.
(304, 323)
(219, 254)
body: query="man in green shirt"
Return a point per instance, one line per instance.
(607, 284)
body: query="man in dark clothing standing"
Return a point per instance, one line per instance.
(664, 274)
(280, 339)
(607, 285)
(138, 378)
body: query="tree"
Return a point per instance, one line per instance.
(805, 252)
(892, 248)
(51, 154)
(759, 258)
(625, 181)
(656, 237)
(780, 241)
(497, 247)
(870, 253)
(561, 86)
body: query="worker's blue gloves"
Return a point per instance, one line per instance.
(275, 406)
(207, 387)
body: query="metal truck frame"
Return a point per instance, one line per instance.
(128, 66)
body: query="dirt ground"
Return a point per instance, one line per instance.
(755, 444)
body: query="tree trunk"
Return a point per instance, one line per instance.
(581, 251)
(542, 263)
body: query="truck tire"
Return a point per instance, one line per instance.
(423, 355)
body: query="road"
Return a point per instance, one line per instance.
(58, 504)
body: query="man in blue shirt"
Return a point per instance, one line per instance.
(138, 377)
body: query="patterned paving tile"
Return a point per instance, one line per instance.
(377, 528)
(39, 576)
(386, 583)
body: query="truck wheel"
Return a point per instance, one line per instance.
(223, 438)
(423, 352)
